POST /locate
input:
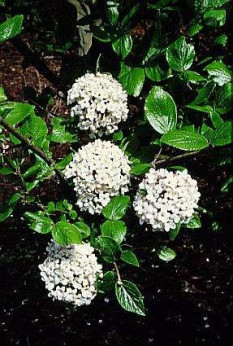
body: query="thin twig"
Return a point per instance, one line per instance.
(33, 148)
(118, 274)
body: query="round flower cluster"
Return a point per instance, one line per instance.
(70, 273)
(100, 170)
(165, 199)
(100, 103)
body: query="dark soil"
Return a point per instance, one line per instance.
(189, 301)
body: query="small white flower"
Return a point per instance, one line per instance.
(99, 171)
(78, 270)
(171, 198)
(100, 103)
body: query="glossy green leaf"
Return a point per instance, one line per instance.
(215, 18)
(115, 229)
(2, 95)
(20, 112)
(116, 208)
(129, 297)
(123, 45)
(223, 134)
(224, 99)
(129, 257)
(83, 228)
(11, 27)
(160, 110)
(219, 72)
(180, 55)
(185, 140)
(132, 79)
(110, 249)
(157, 73)
(166, 254)
(65, 233)
(195, 222)
(39, 222)
(141, 168)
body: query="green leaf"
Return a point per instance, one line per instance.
(20, 112)
(123, 45)
(221, 40)
(129, 297)
(59, 133)
(83, 228)
(129, 257)
(117, 136)
(222, 135)
(160, 110)
(39, 222)
(204, 109)
(107, 283)
(101, 34)
(51, 207)
(64, 162)
(110, 249)
(226, 187)
(112, 12)
(174, 232)
(11, 28)
(215, 18)
(194, 27)
(114, 229)
(116, 208)
(185, 140)
(35, 128)
(224, 99)
(132, 79)
(131, 14)
(192, 77)
(2, 95)
(180, 55)
(64, 233)
(157, 73)
(219, 72)
(140, 168)
(166, 254)
(13, 200)
(195, 222)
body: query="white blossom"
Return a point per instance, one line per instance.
(99, 171)
(165, 199)
(100, 103)
(70, 273)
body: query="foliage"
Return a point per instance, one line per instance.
(183, 91)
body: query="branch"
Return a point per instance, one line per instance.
(176, 158)
(33, 148)
(118, 274)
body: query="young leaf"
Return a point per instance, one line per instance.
(10, 206)
(123, 45)
(114, 229)
(166, 254)
(180, 55)
(64, 233)
(20, 112)
(2, 95)
(129, 257)
(140, 168)
(116, 208)
(64, 162)
(11, 28)
(185, 140)
(132, 79)
(160, 110)
(129, 297)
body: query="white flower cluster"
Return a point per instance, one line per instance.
(100, 103)
(100, 170)
(70, 273)
(166, 198)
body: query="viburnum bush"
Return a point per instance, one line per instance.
(144, 96)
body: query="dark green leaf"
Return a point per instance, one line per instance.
(180, 55)
(110, 249)
(132, 79)
(107, 283)
(123, 45)
(223, 134)
(129, 257)
(129, 297)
